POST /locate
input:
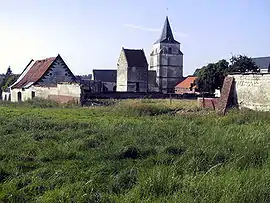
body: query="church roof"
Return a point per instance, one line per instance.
(105, 75)
(167, 35)
(135, 57)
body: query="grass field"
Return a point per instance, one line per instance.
(133, 151)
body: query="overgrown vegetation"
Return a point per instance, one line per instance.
(133, 151)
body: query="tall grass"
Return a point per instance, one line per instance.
(133, 151)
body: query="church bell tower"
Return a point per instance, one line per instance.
(167, 60)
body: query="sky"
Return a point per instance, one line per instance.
(89, 34)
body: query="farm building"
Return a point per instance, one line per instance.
(49, 78)
(186, 86)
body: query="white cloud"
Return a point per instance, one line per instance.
(153, 30)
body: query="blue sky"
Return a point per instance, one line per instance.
(89, 34)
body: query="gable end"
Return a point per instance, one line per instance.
(58, 72)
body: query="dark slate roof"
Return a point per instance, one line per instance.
(262, 62)
(105, 75)
(167, 35)
(135, 57)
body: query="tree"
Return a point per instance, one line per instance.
(8, 80)
(243, 64)
(9, 71)
(211, 77)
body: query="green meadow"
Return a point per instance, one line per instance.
(132, 151)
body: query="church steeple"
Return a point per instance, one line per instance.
(167, 35)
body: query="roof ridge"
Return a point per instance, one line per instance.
(46, 59)
(132, 49)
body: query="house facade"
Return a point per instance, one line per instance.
(49, 78)
(132, 71)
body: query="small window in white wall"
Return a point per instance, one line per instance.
(33, 94)
(169, 50)
(19, 95)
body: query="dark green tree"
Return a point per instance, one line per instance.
(211, 77)
(243, 64)
(8, 80)
(9, 71)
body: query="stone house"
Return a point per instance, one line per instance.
(187, 86)
(49, 78)
(132, 71)
(166, 59)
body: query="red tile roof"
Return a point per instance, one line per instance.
(186, 83)
(37, 70)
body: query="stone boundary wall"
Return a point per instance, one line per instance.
(252, 91)
(135, 95)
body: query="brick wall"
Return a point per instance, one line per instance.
(210, 103)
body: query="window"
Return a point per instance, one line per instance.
(169, 50)
(163, 51)
(33, 94)
(19, 95)
(137, 87)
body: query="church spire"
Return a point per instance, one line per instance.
(167, 35)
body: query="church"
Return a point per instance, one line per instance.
(162, 74)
